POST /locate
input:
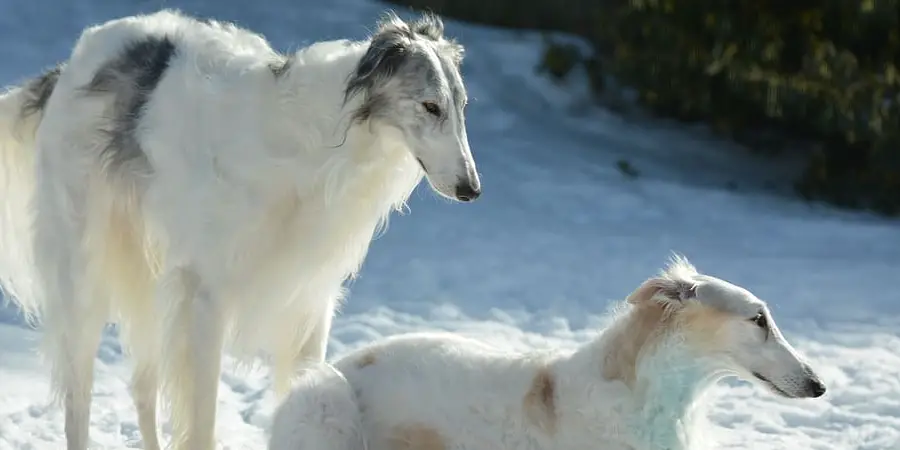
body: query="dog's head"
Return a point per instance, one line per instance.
(729, 327)
(409, 78)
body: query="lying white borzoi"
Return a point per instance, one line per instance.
(636, 386)
(184, 180)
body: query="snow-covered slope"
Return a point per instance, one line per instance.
(557, 235)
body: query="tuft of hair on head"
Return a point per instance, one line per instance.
(679, 268)
(429, 25)
(674, 285)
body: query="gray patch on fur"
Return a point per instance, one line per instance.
(39, 90)
(680, 291)
(281, 66)
(396, 50)
(131, 79)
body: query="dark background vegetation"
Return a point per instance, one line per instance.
(818, 77)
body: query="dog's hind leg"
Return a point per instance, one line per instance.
(75, 312)
(73, 348)
(145, 378)
(144, 391)
(76, 349)
(142, 336)
(192, 359)
(74, 319)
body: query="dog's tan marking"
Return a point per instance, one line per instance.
(367, 360)
(415, 437)
(703, 325)
(637, 332)
(646, 324)
(540, 401)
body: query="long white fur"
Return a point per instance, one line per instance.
(438, 391)
(247, 245)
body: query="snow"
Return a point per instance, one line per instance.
(559, 233)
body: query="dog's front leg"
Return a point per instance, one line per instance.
(192, 360)
(308, 348)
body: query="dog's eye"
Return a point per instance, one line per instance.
(759, 320)
(432, 108)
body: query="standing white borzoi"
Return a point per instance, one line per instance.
(184, 180)
(637, 386)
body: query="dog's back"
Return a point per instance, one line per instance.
(423, 391)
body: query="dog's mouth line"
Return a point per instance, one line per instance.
(421, 164)
(772, 385)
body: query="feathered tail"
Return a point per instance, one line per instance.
(21, 111)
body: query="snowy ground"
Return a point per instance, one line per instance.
(557, 235)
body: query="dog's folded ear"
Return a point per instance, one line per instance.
(383, 58)
(662, 290)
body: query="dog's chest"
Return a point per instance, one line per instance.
(323, 234)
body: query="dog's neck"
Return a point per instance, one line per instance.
(669, 385)
(310, 106)
(641, 358)
(313, 124)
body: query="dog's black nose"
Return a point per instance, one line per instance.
(815, 387)
(465, 192)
